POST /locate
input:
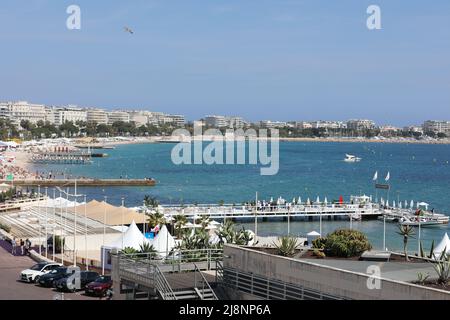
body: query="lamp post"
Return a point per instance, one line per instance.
(39, 215)
(123, 203)
(46, 222)
(85, 233)
(54, 223)
(104, 232)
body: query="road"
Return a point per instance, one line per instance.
(13, 289)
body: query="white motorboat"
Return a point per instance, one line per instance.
(351, 158)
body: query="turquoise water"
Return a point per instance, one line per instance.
(307, 169)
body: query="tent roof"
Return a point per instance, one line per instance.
(115, 216)
(133, 238)
(444, 244)
(163, 241)
(313, 233)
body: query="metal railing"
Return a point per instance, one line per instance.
(204, 284)
(266, 288)
(162, 286)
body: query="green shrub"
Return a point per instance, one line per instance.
(286, 246)
(346, 243)
(5, 227)
(319, 243)
(318, 253)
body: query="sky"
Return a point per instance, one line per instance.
(260, 59)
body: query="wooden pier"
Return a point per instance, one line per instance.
(83, 182)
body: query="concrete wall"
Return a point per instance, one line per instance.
(328, 280)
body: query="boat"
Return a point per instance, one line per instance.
(351, 158)
(422, 222)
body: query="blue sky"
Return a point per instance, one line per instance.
(261, 59)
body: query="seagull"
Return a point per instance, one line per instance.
(128, 30)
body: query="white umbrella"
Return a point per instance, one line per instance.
(411, 205)
(271, 199)
(293, 201)
(326, 200)
(299, 200)
(308, 202)
(393, 204)
(318, 199)
(400, 205)
(387, 203)
(406, 204)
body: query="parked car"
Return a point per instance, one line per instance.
(48, 279)
(69, 283)
(99, 287)
(35, 272)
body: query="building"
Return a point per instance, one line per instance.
(176, 120)
(116, 116)
(23, 111)
(140, 118)
(216, 121)
(320, 124)
(436, 126)
(360, 124)
(98, 116)
(68, 114)
(418, 129)
(272, 124)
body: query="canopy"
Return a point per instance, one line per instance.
(115, 216)
(132, 238)
(313, 233)
(164, 241)
(443, 245)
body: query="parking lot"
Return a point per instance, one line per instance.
(13, 289)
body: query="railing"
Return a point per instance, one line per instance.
(203, 282)
(161, 285)
(266, 288)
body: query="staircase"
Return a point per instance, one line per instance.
(195, 294)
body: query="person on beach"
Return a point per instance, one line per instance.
(22, 247)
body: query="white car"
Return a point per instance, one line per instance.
(35, 272)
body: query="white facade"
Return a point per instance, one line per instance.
(22, 110)
(116, 116)
(360, 124)
(72, 114)
(437, 126)
(98, 116)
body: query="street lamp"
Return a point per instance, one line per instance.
(104, 232)
(46, 222)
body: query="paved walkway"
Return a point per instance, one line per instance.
(13, 289)
(400, 271)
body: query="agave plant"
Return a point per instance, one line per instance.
(442, 268)
(421, 278)
(147, 248)
(286, 246)
(407, 232)
(422, 253)
(129, 251)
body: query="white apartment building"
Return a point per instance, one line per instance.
(320, 124)
(437, 126)
(140, 118)
(72, 114)
(273, 124)
(115, 116)
(360, 124)
(98, 116)
(22, 110)
(216, 121)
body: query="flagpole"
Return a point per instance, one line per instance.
(46, 223)
(85, 233)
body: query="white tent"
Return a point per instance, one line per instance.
(443, 245)
(132, 238)
(164, 242)
(313, 235)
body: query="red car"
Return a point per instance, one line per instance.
(99, 286)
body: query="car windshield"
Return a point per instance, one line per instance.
(103, 279)
(37, 267)
(58, 270)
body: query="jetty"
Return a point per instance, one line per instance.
(87, 182)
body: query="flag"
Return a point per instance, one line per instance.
(388, 176)
(375, 177)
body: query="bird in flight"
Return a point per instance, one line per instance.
(128, 30)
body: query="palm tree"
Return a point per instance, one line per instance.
(179, 222)
(156, 219)
(407, 232)
(150, 201)
(204, 221)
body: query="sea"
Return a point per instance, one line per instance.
(418, 172)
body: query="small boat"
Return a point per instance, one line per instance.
(351, 158)
(404, 221)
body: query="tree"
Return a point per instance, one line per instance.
(150, 201)
(406, 232)
(156, 219)
(179, 222)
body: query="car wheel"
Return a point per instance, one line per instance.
(36, 279)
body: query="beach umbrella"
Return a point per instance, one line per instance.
(278, 202)
(326, 200)
(387, 203)
(299, 201)
(271, 199)
(411, 205)
(406, 204)
(293, 201)
(400, 205)
(393, 204)
(308, 202)
(318, 199)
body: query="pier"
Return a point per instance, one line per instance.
(83, 182)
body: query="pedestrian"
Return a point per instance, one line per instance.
(22, 247)
(13, 246)
(27, 246)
